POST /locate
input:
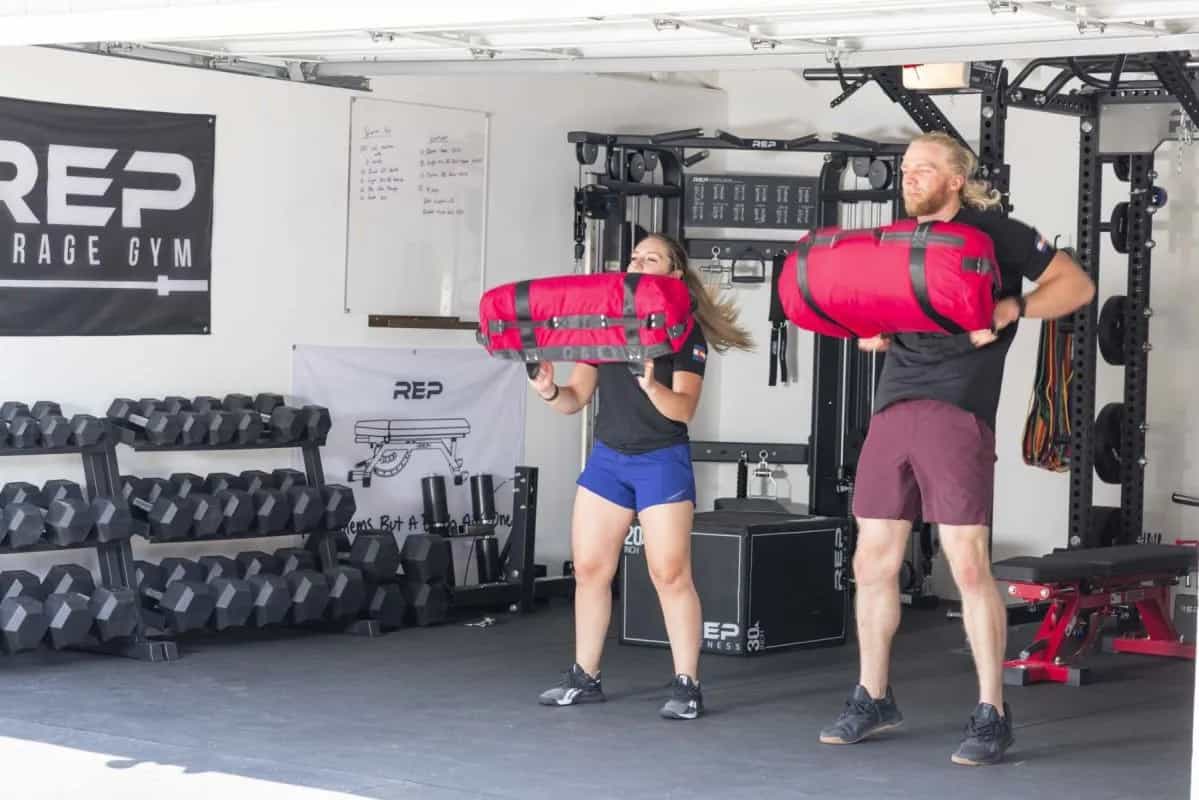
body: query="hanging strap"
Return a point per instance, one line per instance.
(916, 270)
(801, 278)
(778, 323)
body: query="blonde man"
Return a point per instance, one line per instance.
(930, 450)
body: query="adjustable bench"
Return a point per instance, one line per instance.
(1083, 589)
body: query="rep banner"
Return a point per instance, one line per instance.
(105, 220)
(402, 414)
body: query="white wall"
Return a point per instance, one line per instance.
(278, 246)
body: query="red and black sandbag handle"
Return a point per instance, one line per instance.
(632, 328)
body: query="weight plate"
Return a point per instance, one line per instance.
(1119, 227)
(861, 165)
(636, 167)
(880, 174)
(1107, 433)
(586, 152)
(1110, 330)
(1123, 167)
(614, 165)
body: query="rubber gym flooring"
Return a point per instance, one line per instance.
(450, 712)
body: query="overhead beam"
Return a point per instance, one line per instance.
(1079, 15)
(178, 21)
(293, 71)
(1108, 45)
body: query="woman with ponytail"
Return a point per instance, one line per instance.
(641, 464)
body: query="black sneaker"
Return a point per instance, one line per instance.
(988, 736)
(686, 701)
(576, 687)
(863, 716)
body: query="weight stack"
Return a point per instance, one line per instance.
(428, 569)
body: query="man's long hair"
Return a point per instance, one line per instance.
(975, 193)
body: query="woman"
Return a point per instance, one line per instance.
(641, 463)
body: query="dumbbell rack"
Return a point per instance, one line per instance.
(116, 558)
(325, 545)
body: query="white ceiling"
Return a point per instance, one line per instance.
(374, 37)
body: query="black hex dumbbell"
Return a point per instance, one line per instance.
(347, 593)
(49, 427)
(237, 506)
(23, 519)
(233, 599)
(283, 423)
(74, 608)
(271, 592)
(77, 609)
(56, 512)
(159, 427)
(167, 517)
(428, 603)
(387, 603)
(177, 606)
(209, 512)
(307, 502)
(60, 510)
(339, 506)
(319, 423)
(272, 507)
(374, 553)
(23, 430)
(377, 557)
(202, 422)
(23, 623)
(55, 429)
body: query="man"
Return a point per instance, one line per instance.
(930, 450)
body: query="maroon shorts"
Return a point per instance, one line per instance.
(926, 459)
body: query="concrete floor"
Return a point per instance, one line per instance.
(450, 712)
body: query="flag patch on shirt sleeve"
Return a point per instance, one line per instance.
(1042, 245)
(699, 353)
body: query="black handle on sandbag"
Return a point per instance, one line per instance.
(920, 279)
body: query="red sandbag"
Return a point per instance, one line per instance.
(606, 317)
(908, 277)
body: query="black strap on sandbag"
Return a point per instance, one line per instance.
(778, 323)
(528, 335)
(632, 326)
(916, 270)
(801, 278)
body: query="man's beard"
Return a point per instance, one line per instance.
(927, 204)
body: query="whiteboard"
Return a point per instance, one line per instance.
(416, 228)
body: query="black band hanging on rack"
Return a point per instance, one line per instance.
(778, 324)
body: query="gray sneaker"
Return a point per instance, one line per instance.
(576, 687)
(988, 736)
(686, 701)
(863, 716)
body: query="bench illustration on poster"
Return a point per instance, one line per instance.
(393, 441)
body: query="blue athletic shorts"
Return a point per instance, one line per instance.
(642, 480)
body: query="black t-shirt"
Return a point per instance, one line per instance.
(950, 368)
(627, 421)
